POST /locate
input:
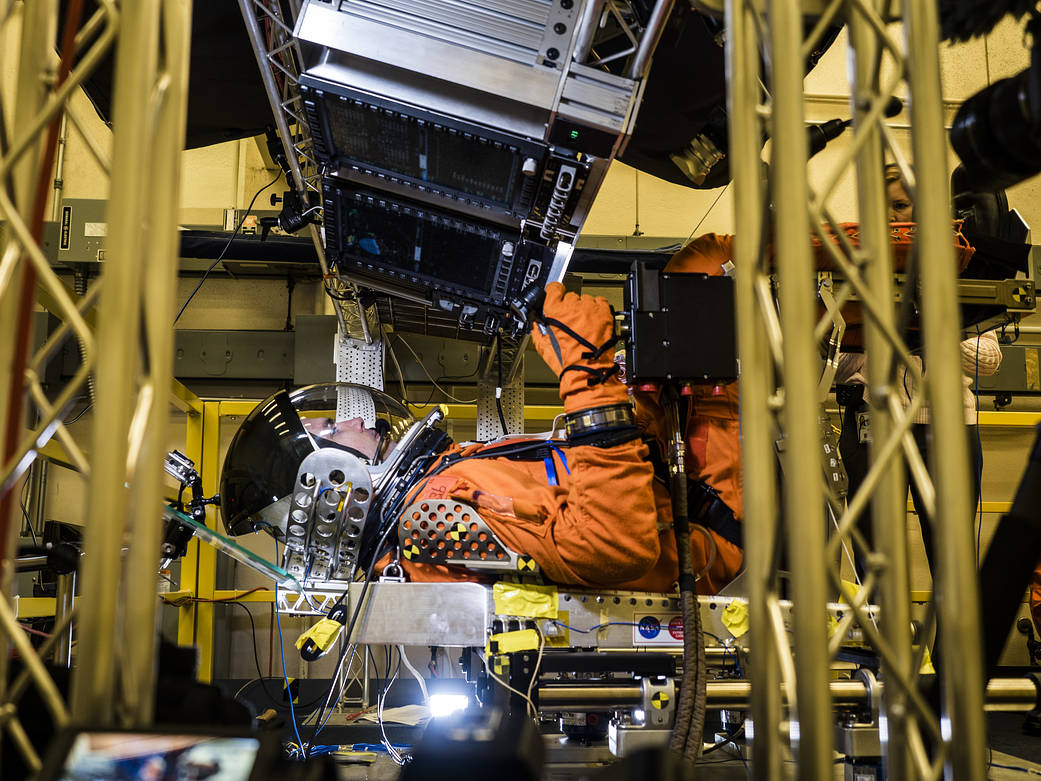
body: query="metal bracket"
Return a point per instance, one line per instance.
(330, 502)
(448, 532)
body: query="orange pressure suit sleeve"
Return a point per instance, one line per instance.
(599, 525)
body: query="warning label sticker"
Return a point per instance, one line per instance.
(657, 629)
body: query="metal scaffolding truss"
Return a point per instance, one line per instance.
(269, 24)
(122, 324)
(271, 33)
(784, 380)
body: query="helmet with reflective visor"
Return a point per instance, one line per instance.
(261, 465)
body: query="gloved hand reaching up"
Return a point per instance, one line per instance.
(575, 337)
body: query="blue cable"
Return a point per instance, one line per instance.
(285, 675)
(726, 650)
(594, 628)
(572, 628)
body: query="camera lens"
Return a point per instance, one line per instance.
(994, 135)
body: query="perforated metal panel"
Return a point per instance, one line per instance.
(488, 424)
(330, 501)
(449, 532)
(362, 364)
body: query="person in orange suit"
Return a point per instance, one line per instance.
(608, 521)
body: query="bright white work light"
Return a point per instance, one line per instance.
(445, 704)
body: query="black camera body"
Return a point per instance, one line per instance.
(681, 327)
(997, 131)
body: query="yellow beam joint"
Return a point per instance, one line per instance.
(190, 561)
(241, 408)
(184, 399)
(55, 453)
(207, 572)
(1010, 419)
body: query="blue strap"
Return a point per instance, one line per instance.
(563, 457)
(551, 467)
(551, 470)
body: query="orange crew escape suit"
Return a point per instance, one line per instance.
(607, 523)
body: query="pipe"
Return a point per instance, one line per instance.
(59, 168)
(30, 563)
(1003, 694)
(65, 591)
(587, 27)
(649, 40)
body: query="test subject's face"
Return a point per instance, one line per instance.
(900, 206)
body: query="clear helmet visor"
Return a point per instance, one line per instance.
(261, 465)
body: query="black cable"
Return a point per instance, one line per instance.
(730, 736)
(82, 412)
(220, 257)
(498, 387)
(256, 656)
(25, 512)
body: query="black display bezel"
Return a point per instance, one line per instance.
(317, 92)
(335, 195)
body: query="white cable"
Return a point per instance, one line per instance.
(501, 682)
(415, 673)
(432, 380)
(532, 710)
(535, 672)
(380, 701)
(845, 547)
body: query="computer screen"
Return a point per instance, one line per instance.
(141, 756)
(423, 152)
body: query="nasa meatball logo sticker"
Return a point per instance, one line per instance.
(657, 629)
(649, 627)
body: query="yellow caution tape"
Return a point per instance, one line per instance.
(927, 663)
(515, 599)
(324, 634)
(511, 642)
(735, 618)
(852, 588)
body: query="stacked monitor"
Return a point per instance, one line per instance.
(462, 143)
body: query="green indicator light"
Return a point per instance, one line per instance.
(574, 134)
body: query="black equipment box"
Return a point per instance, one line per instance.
(682, 327)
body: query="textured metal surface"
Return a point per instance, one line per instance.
(453, 533)
(446, 614)
(361, 363)
(234, 354)
(330, 502)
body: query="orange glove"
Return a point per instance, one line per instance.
(575, 337)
